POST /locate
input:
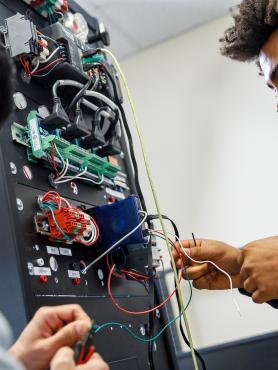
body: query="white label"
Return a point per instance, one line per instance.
(52, 250)
(73, 274)
(35, 134)
(42, 271)
(65, 252)
(114, 193)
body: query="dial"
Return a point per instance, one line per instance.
(43, 111)
(19, 100)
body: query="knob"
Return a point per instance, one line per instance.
(43, 279)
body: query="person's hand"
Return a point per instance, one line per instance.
(50, 329)
(259, 271)
(63, 360)
(206, 276)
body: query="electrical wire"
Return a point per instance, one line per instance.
(197, 354)
(136, 312)
(48, 73)
(202, 262)
(50, 56)
(154, 193)
(135, 336)
(70, 178)
(48, 38)
(48, 65)
(117, 243)
(176, 231)
(130, 140)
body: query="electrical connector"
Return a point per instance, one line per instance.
(78, 128)
(58, 118)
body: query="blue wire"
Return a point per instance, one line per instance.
(99, 328)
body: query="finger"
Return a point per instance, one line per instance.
(68, 335)
(258, 297)
(95, 363)
(63, 360)
(244, 274)
(195, 272)
(200, 253)
(56, 317)
(249, 285)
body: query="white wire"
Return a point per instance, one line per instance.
(117, 243)
(36, 67)
(202, 262)
(65, 164)
(63, 172)
(70, 178)
(50, 56)
(91, 180)
(93, 234)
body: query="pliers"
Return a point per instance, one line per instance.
(84, 349)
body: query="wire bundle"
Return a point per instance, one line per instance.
(62, 177)
(52, 204)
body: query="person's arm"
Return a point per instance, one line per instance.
(254, 268)
(259, 270)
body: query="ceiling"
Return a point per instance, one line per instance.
(138, 24)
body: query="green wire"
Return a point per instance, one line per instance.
(135, 336)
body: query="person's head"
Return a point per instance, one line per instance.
(254, 37)
(6, 84)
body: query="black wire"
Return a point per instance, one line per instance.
(141, 197)
(130, 140)
(198, 355)
(80, 93)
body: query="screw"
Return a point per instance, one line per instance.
(13, 168)
(19, 204)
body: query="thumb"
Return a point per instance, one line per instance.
(63, 360)
(68, 335)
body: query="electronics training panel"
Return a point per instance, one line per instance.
(66, 184)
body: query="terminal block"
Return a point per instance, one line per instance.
(64, 223)
(40, 144)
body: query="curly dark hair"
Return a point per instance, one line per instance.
(254, 22)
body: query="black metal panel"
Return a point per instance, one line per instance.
(21, 292)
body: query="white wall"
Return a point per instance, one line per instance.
(211, 131)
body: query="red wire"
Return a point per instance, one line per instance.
(89, 354)
(135, 274)
(25, 65)
(48, 65)
(136, 312)
(109, 268)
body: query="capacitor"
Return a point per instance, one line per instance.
(19, 100)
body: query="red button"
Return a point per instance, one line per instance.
(76, 281)
(112, 199)
(43, 279)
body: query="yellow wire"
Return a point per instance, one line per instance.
(146, 161)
